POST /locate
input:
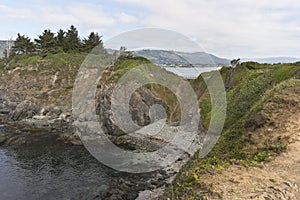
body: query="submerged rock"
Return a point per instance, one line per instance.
(11, 140)
(2, 139)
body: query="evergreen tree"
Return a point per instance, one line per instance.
(73, 43)
(93, 40)
(23, 45)
(61, 40)
(47, 42)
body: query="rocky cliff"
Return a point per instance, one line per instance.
(39, 95)
(36, 93)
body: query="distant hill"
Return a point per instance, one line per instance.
(161, 57)
(272, 60)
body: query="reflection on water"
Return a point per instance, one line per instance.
(44, 168)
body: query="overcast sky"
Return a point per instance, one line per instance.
(227, 28)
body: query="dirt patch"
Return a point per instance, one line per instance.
(279, 178)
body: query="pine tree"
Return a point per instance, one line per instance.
(73, 43)
(23, 45)
(61, 40)
(93, 40)
(47, 43)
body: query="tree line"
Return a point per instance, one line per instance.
(51, 43)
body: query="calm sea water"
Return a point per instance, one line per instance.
(190, 72)
(45, 168)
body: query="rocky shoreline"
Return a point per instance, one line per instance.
(25, 118)
(41, 102)
(29, 116)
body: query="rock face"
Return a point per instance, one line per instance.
(33, 113)
(29, 99)
(24, 110)
(22, 103)
(140, 104)
(43, 100)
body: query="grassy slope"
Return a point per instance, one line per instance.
(249, 87)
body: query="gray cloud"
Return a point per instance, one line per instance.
(86, 16)
(229, 28)
(232, 27)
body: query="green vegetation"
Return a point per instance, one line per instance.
(55, 62)
(49, 43)
(51, 52)
(46, 43)
(249, 87)
(23, 45)
(123, 65)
